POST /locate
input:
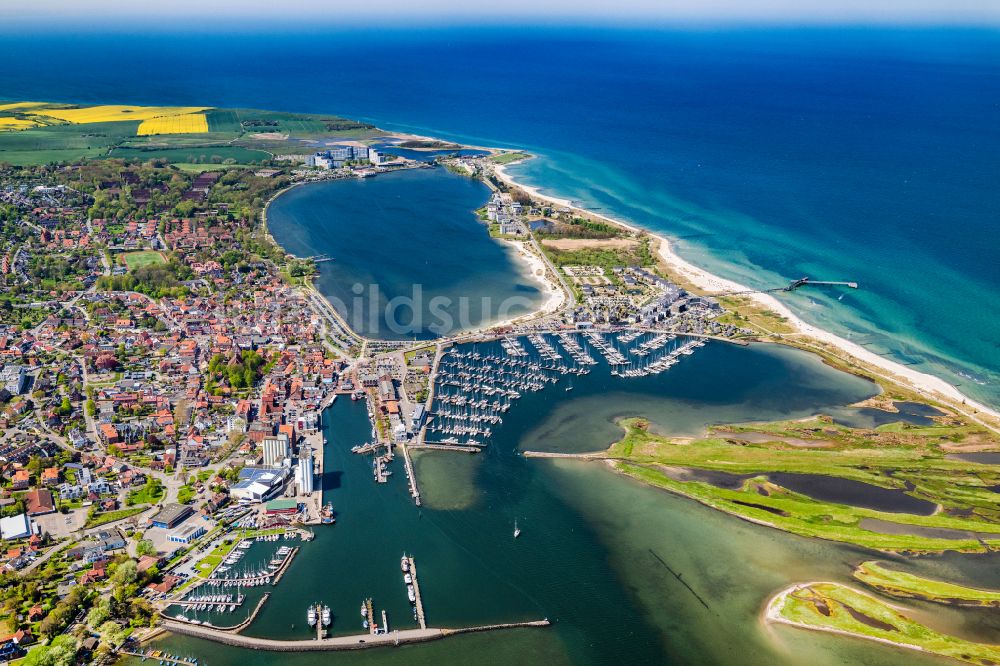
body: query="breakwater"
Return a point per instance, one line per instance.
(355, 642)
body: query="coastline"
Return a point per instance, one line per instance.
(932, 387)
(554, 296)
(929, 386)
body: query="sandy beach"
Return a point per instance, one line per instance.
(554, 295)
(535, 267)
(932, 387)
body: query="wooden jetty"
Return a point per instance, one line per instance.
(419, 603)
(157, 655)
(411, 475)
(224, 604)
(436, 446)
(320, 631)
(370, 447)
(283, 567)
(171, 623)
(370, 616)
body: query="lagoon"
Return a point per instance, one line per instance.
(410, 257)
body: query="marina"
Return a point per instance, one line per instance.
(468, 552)
(211, 600)
(475, 384)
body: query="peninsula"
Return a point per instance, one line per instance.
(168, 369)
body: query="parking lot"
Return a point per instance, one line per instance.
(60, 525)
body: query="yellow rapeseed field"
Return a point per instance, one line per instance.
(18, 106)
(187, 123)
(113, 113)
(16, 123)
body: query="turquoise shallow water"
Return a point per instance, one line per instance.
(838, 153)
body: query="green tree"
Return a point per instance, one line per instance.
(112, 633)
(60, 652)
(99, 613)
(185, 495)
(145, 547)
(125, 573)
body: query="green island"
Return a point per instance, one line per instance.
(841, 609)
(909, 459)
(902, 584)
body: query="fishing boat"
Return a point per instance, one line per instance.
(410, 593)
(326, 616)
(404, 564)
(311, 616)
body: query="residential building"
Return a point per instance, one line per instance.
(50, 476)
(14, 379)
(39, 501)
(69, 492)
(21, 480)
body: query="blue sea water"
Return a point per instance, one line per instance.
(857, 153)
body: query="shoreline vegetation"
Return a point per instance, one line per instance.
(746, 470)
(840, 609)
(905, 585)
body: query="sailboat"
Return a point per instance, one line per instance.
(517, 530)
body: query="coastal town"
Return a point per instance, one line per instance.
(166, 368)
